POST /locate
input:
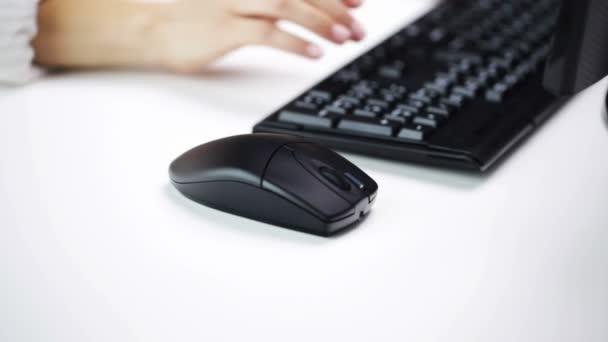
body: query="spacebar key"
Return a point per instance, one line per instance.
(308, 119)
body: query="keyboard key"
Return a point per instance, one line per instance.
(374, 108)
(493, 44)
(320, 94)
(344, 105)
(415, 103)
(452, 56)
(495, 71)
(306, 106)
(440, 109)
(426, 121)
(397, 42)
(365, 113)
(456, 101)
(334, 110)
(441, 89)
(475, 83)
(461, 69)
(467, 91)
(378, 103)
(497, 93)
(413, 31)
(505, 63)
(424, 95)
(523, 47)
(437, 35)
(482, 79)
(380, 53)
(395, 89)
(358, 94)
(364, 64)
(347, 76)
(367, 84)
(316, 101)
(392, 93)
(307, 119)
(389, 97)
(408, 109)
(396, 122)
(369, 126)
(415, 132)
(448, 78)
(457, 43)
(350, 100)
(523, 70)
(396, 118)
(362, 90)
(405, 111)
(511, 80)
(390, 72)
(442, 83)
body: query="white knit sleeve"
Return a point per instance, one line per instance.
(17, 28)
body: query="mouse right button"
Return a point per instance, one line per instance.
(356, 181)
(335, 178)
(286, 177)
(316, 159)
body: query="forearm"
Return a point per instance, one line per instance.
(99, 33)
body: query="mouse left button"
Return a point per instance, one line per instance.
(240, 158)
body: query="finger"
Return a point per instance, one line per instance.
(299, 12)
(338, 11)
(353, 3)
(334, 9)
(266, 32)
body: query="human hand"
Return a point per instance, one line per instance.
(199, 32)
(184, 35)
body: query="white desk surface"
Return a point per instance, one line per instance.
(95, 245)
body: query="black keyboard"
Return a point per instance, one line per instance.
(457, 88)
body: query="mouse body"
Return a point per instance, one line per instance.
(277, 179)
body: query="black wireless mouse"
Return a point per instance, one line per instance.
(277, 179)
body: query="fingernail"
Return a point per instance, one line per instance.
(340, 33)
(314, 51)
(356, 2)
(358, 30)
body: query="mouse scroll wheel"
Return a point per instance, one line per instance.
(335, 178)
